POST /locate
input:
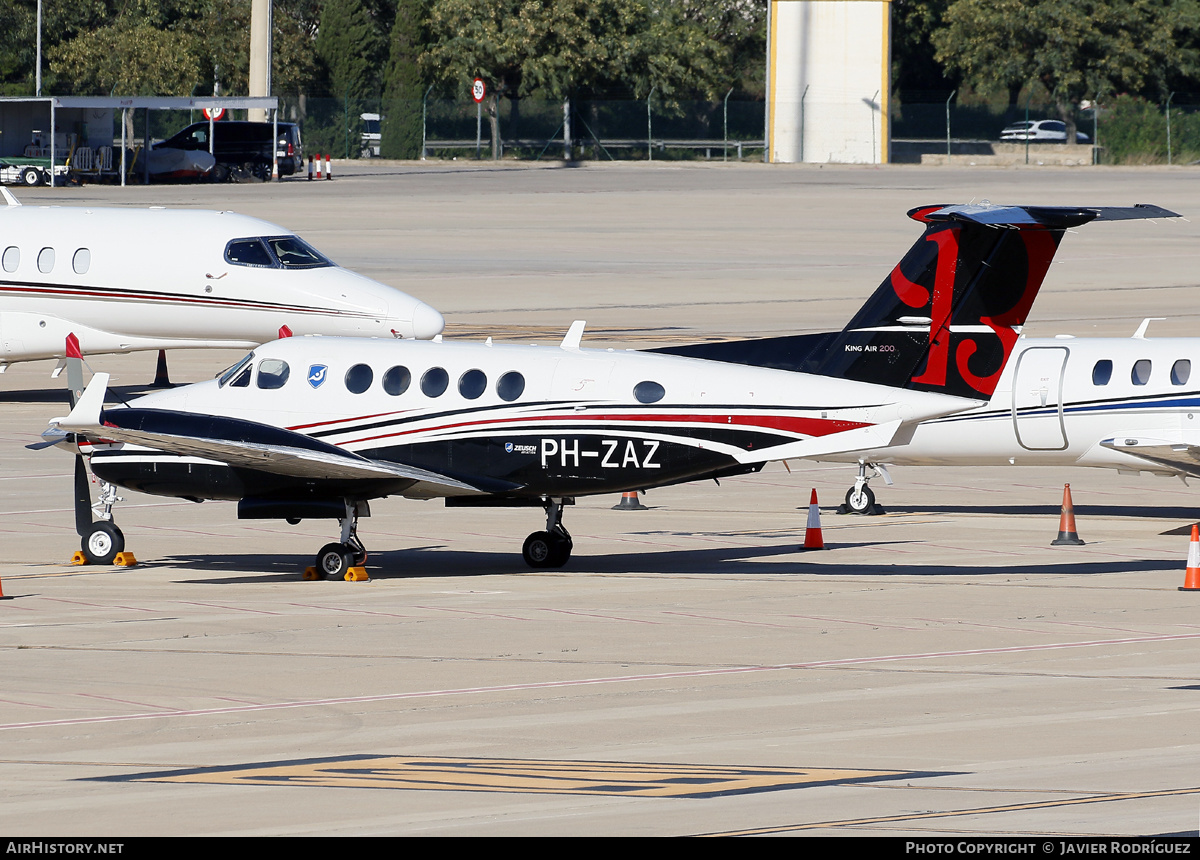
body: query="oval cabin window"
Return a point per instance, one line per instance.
(82, 261)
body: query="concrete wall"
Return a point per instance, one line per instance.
(829, 77)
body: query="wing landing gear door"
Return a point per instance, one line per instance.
(1037, 407)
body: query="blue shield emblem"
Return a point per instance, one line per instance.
(316, 375)
(508, 446)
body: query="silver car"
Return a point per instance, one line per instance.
(1043, 130)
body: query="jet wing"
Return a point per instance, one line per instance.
(1179, 455)
(246, 444)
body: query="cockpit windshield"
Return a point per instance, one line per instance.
(275, 252)
(226, 375)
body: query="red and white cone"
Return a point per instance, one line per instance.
(1067, 536)
(812, 533)
(1191, 581)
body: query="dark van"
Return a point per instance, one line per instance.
(243, 146)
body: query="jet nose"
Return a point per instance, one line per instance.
(427, 323)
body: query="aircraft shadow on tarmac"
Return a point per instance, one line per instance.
(438, 562)
(58, 395)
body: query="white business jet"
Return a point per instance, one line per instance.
(306, 428)
(124, 280)
(1130, 404)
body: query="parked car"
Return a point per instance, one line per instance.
(371, 136)
(242, 147)
(1044, 130)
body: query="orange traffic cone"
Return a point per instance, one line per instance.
(1191, 580)
(2, 597)
(1066, 522)
(812, 533)
(630, 502)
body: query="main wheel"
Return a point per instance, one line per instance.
(539, 549)
(31, 177)
(562, 551)
(860, 501)
(102, 542)
(334, 560)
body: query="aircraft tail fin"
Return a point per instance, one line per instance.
(948, 315)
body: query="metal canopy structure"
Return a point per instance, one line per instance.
(149, 103)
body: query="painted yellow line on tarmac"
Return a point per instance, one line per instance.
(439, 773)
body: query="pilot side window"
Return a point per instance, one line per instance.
(396, 380)
(434, 382)
(294, 253)
(359, 378)
(272, 373)
(510, 386)
(12, 258)
(248, 252)
(1141, 371)
(231, 372)
(1102, 372)
(1181, 371)
(242, 380)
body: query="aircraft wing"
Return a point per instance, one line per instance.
(246, 444)
(1179, 455)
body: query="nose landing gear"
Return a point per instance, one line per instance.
(860, 499)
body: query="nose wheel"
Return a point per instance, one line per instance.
(552, 547)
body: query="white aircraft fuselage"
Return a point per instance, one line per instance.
(1131, 404)
(125, 279)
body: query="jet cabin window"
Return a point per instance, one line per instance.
(1181, 371)
(12, 258)
(275, 252)
(1102, 372)
(1141, 371)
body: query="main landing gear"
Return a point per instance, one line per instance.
(335, 559)
(860, 499)
(101, 539)
(552, 547)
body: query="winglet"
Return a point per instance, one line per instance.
(574, 335)
(86, 414)
(9, 198)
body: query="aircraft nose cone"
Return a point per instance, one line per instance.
(427, 323)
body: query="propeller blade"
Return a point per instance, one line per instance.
(50, 436)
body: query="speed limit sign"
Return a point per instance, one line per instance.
(478, 90)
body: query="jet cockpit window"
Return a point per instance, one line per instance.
(1141, 371)
(292, 252)
(1181, 371)
(228, 374)
(359, 378)
(272, 373)
(249, 252)
(1102, 372)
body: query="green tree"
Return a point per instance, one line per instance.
(559, 47)
(127, 59)
(352, 47)
(1074, 48)
(404, 86)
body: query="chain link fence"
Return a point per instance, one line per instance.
(529, 128)
(1120, 130)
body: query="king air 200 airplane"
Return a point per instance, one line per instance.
(306, 428)
(123, 280)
